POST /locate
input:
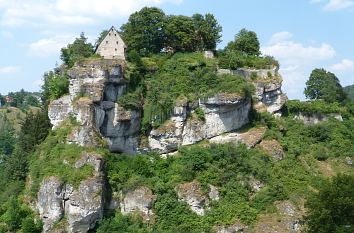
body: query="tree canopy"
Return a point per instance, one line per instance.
(245, 42)
(150, 31)
(76, 51)
(331, 208)
(324, 85)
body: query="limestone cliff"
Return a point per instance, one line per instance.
(94, 88)
(81, 206)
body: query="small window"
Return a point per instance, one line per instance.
(109, 33)
(115, 34)
(116, 42)
(115, 49)
(106, 41)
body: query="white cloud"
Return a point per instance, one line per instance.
(343, 66)
(334, 5)
(67, 12)
(296, 60)
(9, 69)
(282, 47)
(48, 46)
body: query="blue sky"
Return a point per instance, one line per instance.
(301, 34)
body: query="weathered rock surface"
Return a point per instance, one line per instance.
(251, 137)
(99, 83)
(50, 202)
(213, 193)
(315, 118)
(140, 201)
(222, 113)
(288, 219)
(82, 206)
(273, 148)
(268, 84)
(192, 194)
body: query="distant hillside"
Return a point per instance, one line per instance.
(349, 90)
(14, 116)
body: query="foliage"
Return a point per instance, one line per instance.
(54, 86)
(349, 90)
(315, 106)
(131, 100)
(23, 99)
(7, 136)
(331, 208)
(122, 224)
(185, 75)
(324, 85)
(76, 51)
(180, 34)
(145, 30)
(200, 114)
(235, 59)
(246, 42)
(150, 31)
(207, 31)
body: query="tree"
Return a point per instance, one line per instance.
(55, 85)
(331, 208)
(324, 85)
(76, 51)
(207, 31)
(145, 30)
(180, 34)
(245, 42)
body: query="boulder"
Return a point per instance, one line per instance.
(139, 201)
(273, 148)
(192, 194)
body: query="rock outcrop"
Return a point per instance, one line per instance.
(94, 88)
(82, 206)
(237, 227)
(315, 118)
(250, 138)
(273, 148)
(192, 194)
(139, 201)
(267, 82)
(222, 113)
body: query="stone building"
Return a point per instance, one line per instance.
(112, 46)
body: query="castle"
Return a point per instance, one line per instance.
(112, 46)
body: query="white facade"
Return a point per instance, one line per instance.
(112, 46)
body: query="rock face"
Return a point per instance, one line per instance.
(192, 194)
(99, 83)
(268, 84)
(82, 206)
(250, 138)
(140, 200)
(273, 148)
(315, 118)
(222, 113)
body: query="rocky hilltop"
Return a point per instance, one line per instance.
(95, 86)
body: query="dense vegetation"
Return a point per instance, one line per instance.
(324, 85)
(21, 99)
(231, 168)
(349, 90)
(150, 31)
(161, 90)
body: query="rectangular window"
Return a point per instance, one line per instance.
(106, 41)
(116, 42)
(115, 49)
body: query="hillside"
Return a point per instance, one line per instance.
(172, 136)
(349, 90)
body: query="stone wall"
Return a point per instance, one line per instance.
(112, 46)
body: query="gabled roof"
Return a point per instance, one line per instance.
(115, 30)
